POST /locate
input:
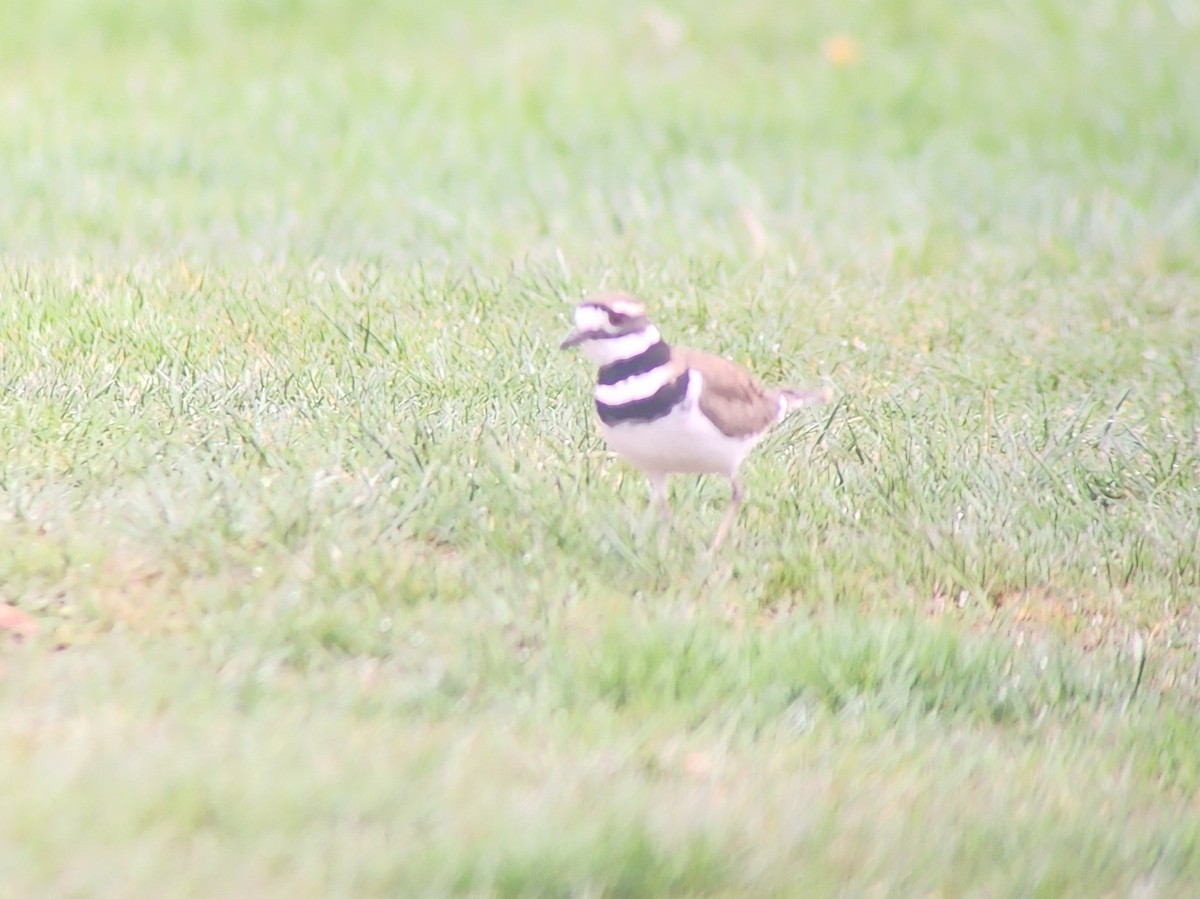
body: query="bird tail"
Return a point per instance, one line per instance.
(797, 397)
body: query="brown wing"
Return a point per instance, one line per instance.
(737, 404)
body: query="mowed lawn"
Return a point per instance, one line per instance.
(316, 580)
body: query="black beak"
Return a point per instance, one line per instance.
(572, 339)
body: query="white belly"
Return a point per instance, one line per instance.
(683, 441)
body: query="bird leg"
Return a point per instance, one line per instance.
(659, 482)
(735, 501)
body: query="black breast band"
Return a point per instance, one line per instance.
(655, 406)
(648, 359)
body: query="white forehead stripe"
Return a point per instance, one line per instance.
(590, 318)
(627, 307)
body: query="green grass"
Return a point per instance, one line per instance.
(337, 592)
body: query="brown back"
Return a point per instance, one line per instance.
(737, 404)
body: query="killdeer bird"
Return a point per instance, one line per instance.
(670, 410)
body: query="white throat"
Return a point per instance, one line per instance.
(614, 349)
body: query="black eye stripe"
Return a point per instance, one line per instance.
(617, 319)
(614, 317)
